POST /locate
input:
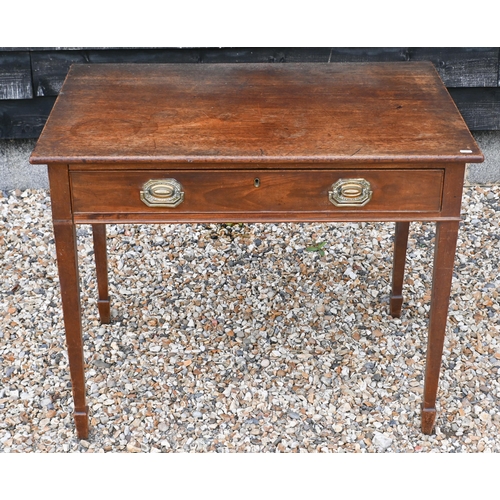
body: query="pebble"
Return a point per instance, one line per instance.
(381, 440)
(320, 309)
(133, 448)
(281, 351)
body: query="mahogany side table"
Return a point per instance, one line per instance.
(316, 142)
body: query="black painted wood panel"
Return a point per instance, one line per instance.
(266, 55)
(368, 54)
(462, 66)
(25, 118)
(480, 108)
(15, 75)
(153, 56)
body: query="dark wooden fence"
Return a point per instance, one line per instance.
(30, 78)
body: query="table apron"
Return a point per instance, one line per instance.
(258, 196)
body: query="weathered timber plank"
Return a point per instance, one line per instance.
(144, 56)
(264, 54)
(15, 75)
(479, 107)
(368, 54)
(24, 118)
(462, 66)
(17, 49)
(302, 54)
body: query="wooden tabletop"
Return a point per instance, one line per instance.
(257, 113)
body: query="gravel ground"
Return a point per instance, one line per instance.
(240, 338)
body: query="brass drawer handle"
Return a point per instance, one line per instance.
(350, 193)
(162, 193)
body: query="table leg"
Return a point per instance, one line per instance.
(67, 262)
(101, 264)
(398, 270)
(444, 258)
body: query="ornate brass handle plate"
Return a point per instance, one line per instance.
(162, 193)
(350, 193)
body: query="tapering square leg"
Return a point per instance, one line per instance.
(398, 270)
(67, 261)
(101, 263)
(444, 258)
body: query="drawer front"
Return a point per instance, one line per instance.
(257, 191)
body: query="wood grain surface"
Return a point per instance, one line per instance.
(231, 113)
(297, 191)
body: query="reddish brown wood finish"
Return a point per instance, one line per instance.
(216, 128)
(257, 113)
(293, 192)
(444, 257)
(101, 264)
(67, 260)
(398, 270)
